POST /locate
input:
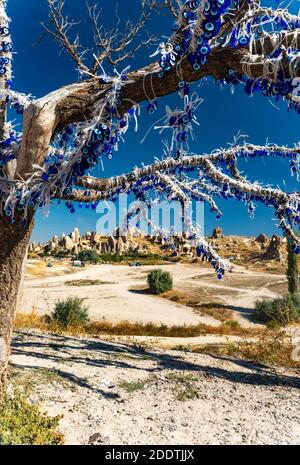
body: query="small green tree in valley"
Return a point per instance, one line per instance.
(160, 281)
(292, 270)
(70, 312)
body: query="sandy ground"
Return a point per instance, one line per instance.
(120, 295)
(181, 398)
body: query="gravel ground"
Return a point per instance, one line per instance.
(114, 393)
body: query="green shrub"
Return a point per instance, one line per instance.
(282, 311)
(23, 424)
(89, 256)
(131, 255)
(70, 312)
(110, 258)
(160, 281)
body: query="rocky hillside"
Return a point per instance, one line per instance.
(261, 251)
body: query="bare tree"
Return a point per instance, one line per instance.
(67, 132)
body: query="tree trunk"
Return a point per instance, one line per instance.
(14, 241)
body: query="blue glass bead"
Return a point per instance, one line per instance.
(186, 119)
(243, 41)
(209, 26)
(205, 50)
(172, 120)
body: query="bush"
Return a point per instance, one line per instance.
(160, 281)
(282, 311)
(70, 312)
(90, 256)
(110, 258)
(23, 424)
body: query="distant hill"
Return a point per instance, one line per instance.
(260, 252)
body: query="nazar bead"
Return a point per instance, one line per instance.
(152, 107)
(4, 31)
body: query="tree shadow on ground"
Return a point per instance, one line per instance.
(72, 379)
(142, 291)
(102, 353)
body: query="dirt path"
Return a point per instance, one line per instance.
(117, 296)
(114, 393)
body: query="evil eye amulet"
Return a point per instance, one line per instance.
(7, 47)
(193, 4)
(178, 49)
(244, 41)
(182, 137)
(151, 108)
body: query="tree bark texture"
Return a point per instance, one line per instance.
(14, 241)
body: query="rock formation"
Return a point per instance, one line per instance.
(217, 233)
(230, 247)
(274, 249)
(262, 239)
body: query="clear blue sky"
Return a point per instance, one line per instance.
(39, 69)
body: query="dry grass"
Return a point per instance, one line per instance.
(271, 348)
(29, 320)
(86, 282)
(190, 297)
(38, 269)
(125, 328)
(216, 310)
